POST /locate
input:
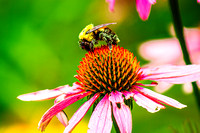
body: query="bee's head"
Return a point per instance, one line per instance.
(84, 35)
(84, 44)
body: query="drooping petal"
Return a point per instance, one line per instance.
(49, 114)
(198, 1)
(43, 127)
(121, 112)
(145, 102)
(80, 113)
(160, 98)
(111, 4)
(143, 7)
(172, 74)
(101, 120)
(49, 94)
(62, 117)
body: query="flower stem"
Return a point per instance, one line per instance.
(178, 26)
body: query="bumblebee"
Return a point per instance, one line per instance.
(90, 36)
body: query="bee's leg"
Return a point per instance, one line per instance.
(106, 38)
(101, 35)
(110, 46)
(115, 40)
(91, 46)
(86, 46)
(109, 41)
(92, 43)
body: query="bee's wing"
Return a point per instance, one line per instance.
(98, 26)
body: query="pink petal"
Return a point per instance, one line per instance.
(45, 125)
(162, 87)
(192, 36)
(195, 57)
(147, 103)
(80, 113)
(101, 121)
(49, 114)
(172, 74)
(60, 98)
(62, 118)
(49, 94)
(160, 98)
(198, 1)
(44, 94)
(121, 112)
(143, 8)
(187, 87)
(111, 4)
(156, 50)
(128, 94)
(152, 1)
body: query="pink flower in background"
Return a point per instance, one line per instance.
(111, 80)
(143, 7)
(168, 51)
(111, 4)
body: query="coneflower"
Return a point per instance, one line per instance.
(111, 79)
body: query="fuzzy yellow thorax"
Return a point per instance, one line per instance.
(85, 36)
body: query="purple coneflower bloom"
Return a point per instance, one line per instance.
(155, 52)
(112, 80)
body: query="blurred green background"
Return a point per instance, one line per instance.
(39, 50)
